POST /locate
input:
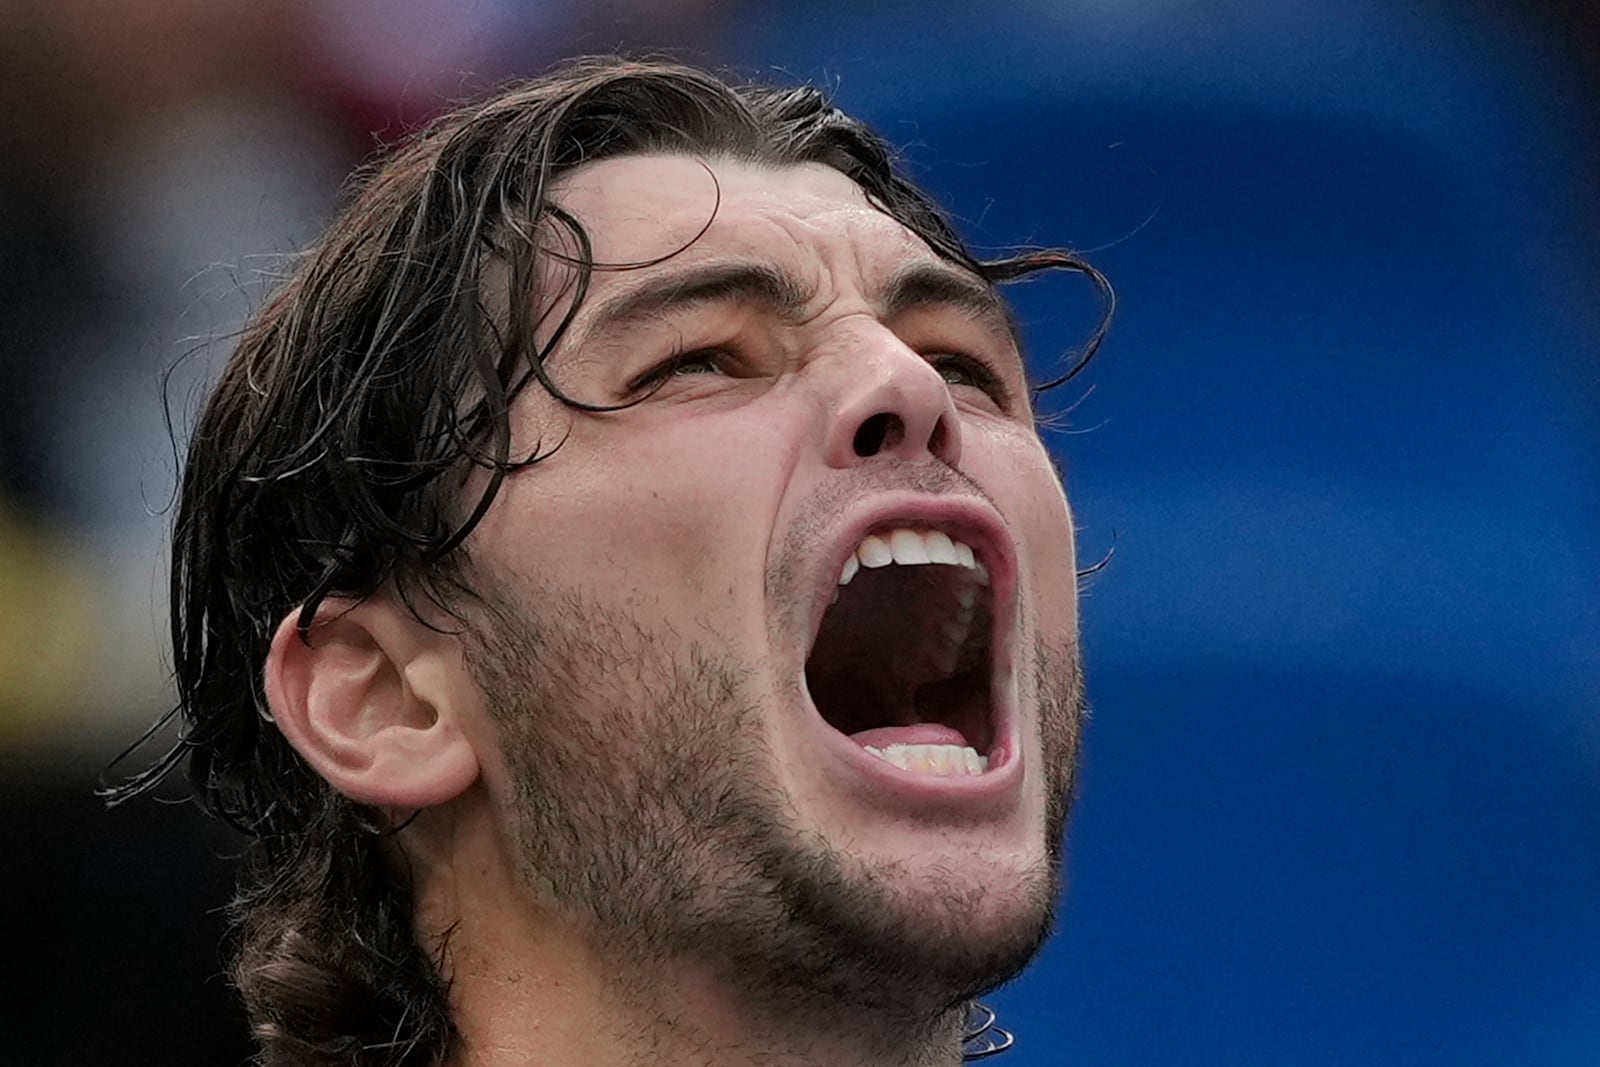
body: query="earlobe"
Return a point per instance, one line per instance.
(371, 699)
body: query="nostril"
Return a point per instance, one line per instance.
(884, 431)
(881, 431)
(936, 440)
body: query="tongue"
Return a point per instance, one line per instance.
(922, 733)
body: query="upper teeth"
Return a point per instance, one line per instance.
(909, 547)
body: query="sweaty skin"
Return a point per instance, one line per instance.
(656, 789)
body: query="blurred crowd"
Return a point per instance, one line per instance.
(159, 162)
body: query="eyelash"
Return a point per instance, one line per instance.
(658, 375)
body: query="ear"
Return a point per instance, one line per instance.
(372, 699)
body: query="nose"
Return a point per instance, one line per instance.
(892, 404)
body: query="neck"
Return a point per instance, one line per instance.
(555, 1000)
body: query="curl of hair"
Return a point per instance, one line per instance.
(329, 460)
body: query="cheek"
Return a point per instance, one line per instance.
(635, 509)
(1025, 484)
(1053, 582)
(703, 496)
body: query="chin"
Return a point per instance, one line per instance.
(974, 918)
(910, 936)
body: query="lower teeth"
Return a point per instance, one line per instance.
(946, 761)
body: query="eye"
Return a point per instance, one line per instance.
(959, 370)
(706, 361)
(682, 364)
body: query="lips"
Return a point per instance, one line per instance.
(911, 666)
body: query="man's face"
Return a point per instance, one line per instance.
(682, 691)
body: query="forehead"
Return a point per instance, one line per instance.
(637, 209)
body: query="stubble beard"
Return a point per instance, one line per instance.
(644, 808)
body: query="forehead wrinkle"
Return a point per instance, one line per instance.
(761, 277)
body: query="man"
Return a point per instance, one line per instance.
(620, 585)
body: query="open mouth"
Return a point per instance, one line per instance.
(903, 663)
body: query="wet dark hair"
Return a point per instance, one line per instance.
(329, 460)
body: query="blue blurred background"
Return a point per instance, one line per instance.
(1341, 802)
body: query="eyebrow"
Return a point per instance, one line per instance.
(926, 285)
(708, 283)
(921, 285)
